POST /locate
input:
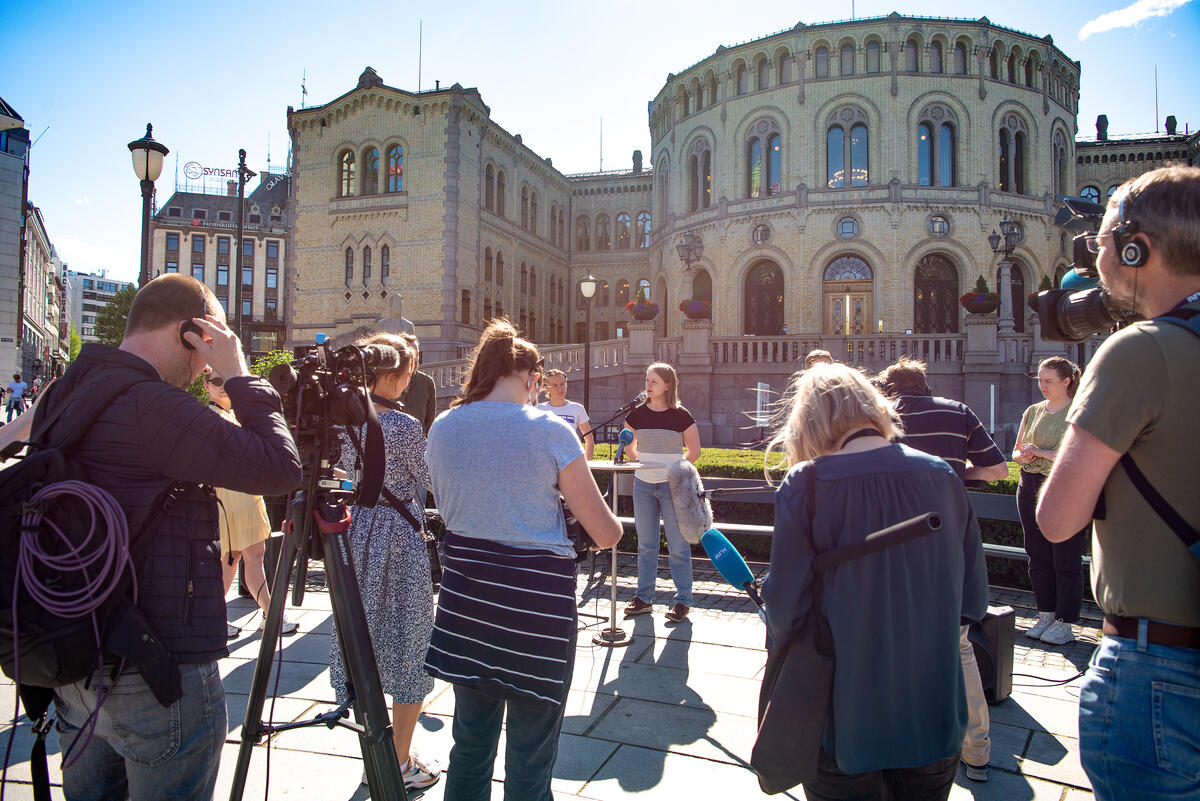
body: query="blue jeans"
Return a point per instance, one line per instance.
(651, 502)
(529, 756)
(140, 749)
(1139, 720)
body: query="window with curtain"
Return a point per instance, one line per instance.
(500, 193)
(603, 241)
(936, 156)
(582, 240)
(960, 59)
(846, 65)
(821, 62)
(935, 57)
(764, 74)
(912, 56)
(371, 171)
(873, 56)
(699, 175)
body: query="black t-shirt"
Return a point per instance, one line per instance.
(643, 417)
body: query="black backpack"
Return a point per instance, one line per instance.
(40, 649)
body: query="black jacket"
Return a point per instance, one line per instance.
(153, 436)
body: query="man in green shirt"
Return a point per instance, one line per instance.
(1139, 706)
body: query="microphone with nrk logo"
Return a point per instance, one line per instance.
(625, 438)
(732, 567)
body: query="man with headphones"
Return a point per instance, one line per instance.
(158, 452)
(1130, 461)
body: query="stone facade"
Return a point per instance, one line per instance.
(1106, 162)
(14, 182)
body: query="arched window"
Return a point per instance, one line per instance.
(553, 222)
(960, 59)
(603, 242)
(822, 62)
(644, 288)
(349, 266)
(624, 235)
(873, 56)
(533, 212)
(487, 264)
(1029, 72)
(711, 82)
(912, 56)
(685, 103)
(846, 143)
(699, 175)
(385, 264)
(994, 63)
(847, 297)
(936, 157)
(1059, 165)
(763, 298)
(524, 278)
(489, 189)
(764, 74)
(499, 269)
(741, 79)
(366, 271)
(583, 242)
(1011, 66)
(784, 70)
(500, 193)
(395, 168)
(371, 171)
(562, 229)
(602, 294)
(702, 286)
(348, 182)
(935, 57)
(846, 64)
(1090, 193)
(525, 207)
(643, 229)
(935, 296)
(1112, 190)
(1013, 141)
(662, 184)
(764, 156)
(622, 292)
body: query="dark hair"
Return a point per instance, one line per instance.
(408, 354)
(906, 375)
(1066, 369)
(500, 353)
(170, 298)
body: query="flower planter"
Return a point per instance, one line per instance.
(643, 313)
(696, 309)
(981, 305)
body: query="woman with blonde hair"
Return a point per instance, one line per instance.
(898, 709)
(661, 429)
(391, 563)
(506, 620)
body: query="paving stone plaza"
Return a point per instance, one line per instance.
(671, 716)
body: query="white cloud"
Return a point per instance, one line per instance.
(83, 201)
(1129, 16)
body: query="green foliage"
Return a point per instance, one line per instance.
(981, 285)
(110, 321)
(75, 345)
(1045, 284)
(262, 365)
(197, 389)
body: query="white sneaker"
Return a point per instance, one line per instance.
(288, 627)
(1044, 621)
(1058, 633)
(421, 775)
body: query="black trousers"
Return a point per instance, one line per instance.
(1055, 568)
(930, 782)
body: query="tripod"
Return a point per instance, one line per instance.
(320, 506)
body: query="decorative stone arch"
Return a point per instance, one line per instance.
(763, 292)
(783, 66)
(699, 160)
(968, 50)
(847, 294)
(1060, 269)
(759, 133)
(963, 259)
(814, 51)
(1010, 122)
(739, 72)
(847, 117)
(709, 82)
(913, 38)
(868, 40)
(937, 283)
(758, 60)
(854, 65)
(661, 179)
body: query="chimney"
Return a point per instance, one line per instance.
(1172, 125)
(231, 188)
(1102, 128)
(637, 161)
(437, 85)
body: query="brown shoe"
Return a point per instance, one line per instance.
(637, 607)
(678, 612)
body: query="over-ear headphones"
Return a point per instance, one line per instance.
(190, 327)
(1130, 250)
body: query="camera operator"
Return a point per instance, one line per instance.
(505, 630)
(152, 448)
(1139, 707)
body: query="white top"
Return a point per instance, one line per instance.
(572, 412)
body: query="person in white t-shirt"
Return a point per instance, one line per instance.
(16, 396)
(555, 386)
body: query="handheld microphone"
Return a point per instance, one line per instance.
(692, 509)
(625, 439)
(730, 564)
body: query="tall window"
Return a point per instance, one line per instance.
(764, 155)
(821, 67)
(699, 176)
(912, 56)
(622, 292)
(553, 221)
(524, 278)
(1013, 139)
(172, 241)
(533, 212)
(936, 157)
(499, 269)
(994, 62)
(764, 74)
(1011, 67)
(846, 67)
(385, 264)
(223, 275)
(583, 242)
(603, 242)
(935, 57)
(500, 193)
(366, 270)
(643, 229)
(272, 249)
(395, 168)
(371, 171)
(741, 79)
(533, 281)
(466, 307)
(349, 266)
(562, 230)
(1059, 167)
(348, 184)
(846, 146)
(873, 56)
(487, 264)
(525, 208)
(1029, 72)
(784, 70)
(489, 189)
(272, 277)
(623, 231)
(685, 101)
(960, 59)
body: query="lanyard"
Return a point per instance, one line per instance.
(1192, 298)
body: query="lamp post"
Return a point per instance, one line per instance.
(235, 315)
(1003, 244)
(587, 288)
(147, 157)
(690, 249)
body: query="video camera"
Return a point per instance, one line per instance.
(1073, 314)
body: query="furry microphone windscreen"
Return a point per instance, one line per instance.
(692, 510)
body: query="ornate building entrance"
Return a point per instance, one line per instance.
(763, 293)
(935, 296)
(847, 305)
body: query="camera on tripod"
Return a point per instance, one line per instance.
(1072, 314)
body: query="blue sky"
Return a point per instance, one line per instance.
(217, 76)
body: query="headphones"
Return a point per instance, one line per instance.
(1130, 250)
(190, 327)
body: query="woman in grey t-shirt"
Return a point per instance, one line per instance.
(504, 634)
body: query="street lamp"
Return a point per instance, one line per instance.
(690, 249)
(587, 288)
(147, 157)
(1003, 244)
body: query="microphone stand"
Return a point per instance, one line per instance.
(622, 412)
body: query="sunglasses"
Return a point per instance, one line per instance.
(214, 380)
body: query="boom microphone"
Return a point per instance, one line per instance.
(633, 404)
(693, 512)
(730, 564)
(625, 439)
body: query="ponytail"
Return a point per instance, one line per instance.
(500, 352)
(1066, 369)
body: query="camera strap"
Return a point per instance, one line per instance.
(371, 483)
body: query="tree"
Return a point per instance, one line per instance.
(76, 344)
(110, 321)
